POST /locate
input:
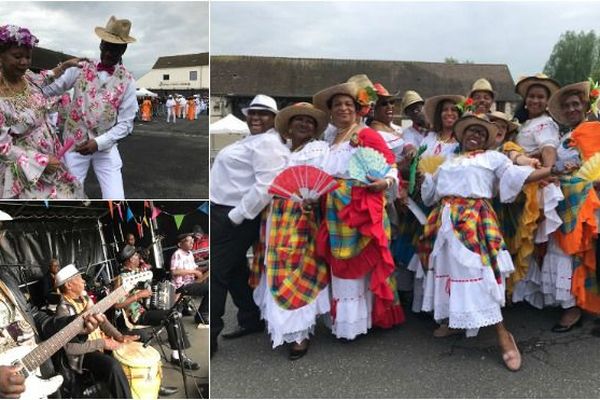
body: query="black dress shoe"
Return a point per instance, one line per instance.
(242, 331)
(558, 328)
(297, 353)
(167, 390)
(187, 363)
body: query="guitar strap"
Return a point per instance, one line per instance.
(21, 329)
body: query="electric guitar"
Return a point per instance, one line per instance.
(31, 357)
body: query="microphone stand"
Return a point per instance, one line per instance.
(173, 316)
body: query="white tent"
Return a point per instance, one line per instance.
(229, 124)
(143, 92)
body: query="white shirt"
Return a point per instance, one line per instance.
(170, 103)
(538, 133)
(242, 172)
(413, 136)
(125, 114)
(436, 147)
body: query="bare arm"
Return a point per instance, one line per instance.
(548, 156)
(539, 174)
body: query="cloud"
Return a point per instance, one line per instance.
(520, 34)
(161, 28)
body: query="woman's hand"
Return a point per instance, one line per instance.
(52, 166)
(377, 185)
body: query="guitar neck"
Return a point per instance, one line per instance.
(46, 349)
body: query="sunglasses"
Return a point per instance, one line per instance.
(387, 103)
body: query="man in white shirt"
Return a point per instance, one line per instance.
(182, 106)
(102, 111)
(412, 107)
(240, 178)
(171, 109)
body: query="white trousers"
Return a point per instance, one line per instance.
(107, 166)
(171, 113)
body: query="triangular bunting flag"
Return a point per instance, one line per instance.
(178, 219)
(110, 207)
(146, 204)
(46, 204)
(145, 220)
(140, 230)
(155, 212)
(119, 210)
(129, 214)
(204, 207)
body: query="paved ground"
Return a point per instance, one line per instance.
(198, 352)
(407, 362)
(163, 161)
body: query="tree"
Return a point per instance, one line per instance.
(450, 60)
(574, 58)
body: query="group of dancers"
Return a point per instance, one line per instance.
(474, 208)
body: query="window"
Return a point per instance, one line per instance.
(165, 77)
(193, 75)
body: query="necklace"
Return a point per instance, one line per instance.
(449, 139)
(380, 126)
(344, 134)
(10, 89)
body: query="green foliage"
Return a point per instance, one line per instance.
(574, 58)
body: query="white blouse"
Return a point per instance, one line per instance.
(436, 147)
(314, 153)
(475, 176)
(538, 133)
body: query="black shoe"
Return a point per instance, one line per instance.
(297, 353)
(187, 363)
(558, 328)
(167, 390)
(241, 331)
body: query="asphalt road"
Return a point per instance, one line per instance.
(407, 362)
(162, 161)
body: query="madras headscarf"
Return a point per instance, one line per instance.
(12, 34)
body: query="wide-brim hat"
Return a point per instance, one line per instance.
(410, 97)
(544, 80)
(116, 31)
(432, 102)
(262, 102)
(554, 104)
(66, 273)
(461, 125)
(321, 98)
(499, 115)
(126, 252)
(482, 85)
(383, 93)
(282, 121)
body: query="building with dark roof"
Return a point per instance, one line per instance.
(236, 79)
(42, 59)
(185, 74)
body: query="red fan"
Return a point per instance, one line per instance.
(302, 182)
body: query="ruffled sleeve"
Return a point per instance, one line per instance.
(22, 165)
(547, 134)
(511, 177)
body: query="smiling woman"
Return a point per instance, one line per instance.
(29, 166)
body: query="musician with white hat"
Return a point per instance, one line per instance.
(90, 355)
(240, 178)
(102, 111)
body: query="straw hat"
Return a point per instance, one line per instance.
(282, 121)
(432, 102)
(554, 104)
(383, 94)
(498, 115)
(261, 102)
(321, 98)
(526, 82)
(410, 97)
(467, 120)
(66, 273)
(116, 31)
(482, 85)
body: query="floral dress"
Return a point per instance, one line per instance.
(26, 141)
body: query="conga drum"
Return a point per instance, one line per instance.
(142, 368)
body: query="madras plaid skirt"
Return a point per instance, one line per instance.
(475, 225)
(294, 275)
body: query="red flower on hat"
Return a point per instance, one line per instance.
(466, 105)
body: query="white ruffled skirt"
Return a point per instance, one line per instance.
(353, 305)
(458, 287)
(289, 326)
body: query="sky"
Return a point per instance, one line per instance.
(161, 28)
(519, 34)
